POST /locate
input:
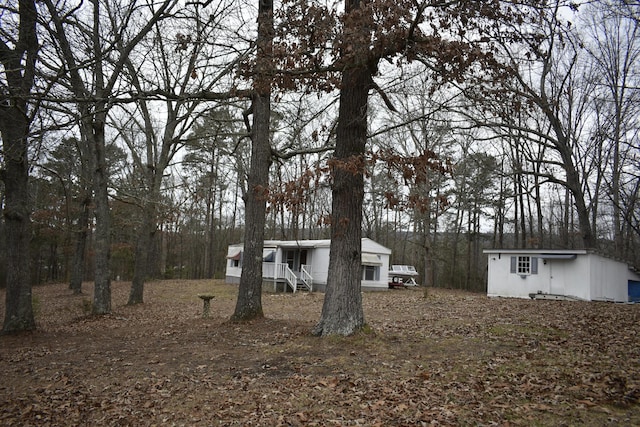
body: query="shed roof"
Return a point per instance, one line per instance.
(537, 251)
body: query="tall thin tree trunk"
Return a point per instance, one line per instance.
(249, 302)
(539, 214)
(82, 231)
(523, 216)
(95, 127)
(81, 234)
(102, 289)
(467, 273)
(146, 238)
(454, 253)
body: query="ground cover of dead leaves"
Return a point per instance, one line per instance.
(452, 358)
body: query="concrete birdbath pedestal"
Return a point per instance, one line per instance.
(207, 303)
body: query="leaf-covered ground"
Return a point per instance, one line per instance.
(451, 358)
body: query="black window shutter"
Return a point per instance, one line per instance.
(513, 264)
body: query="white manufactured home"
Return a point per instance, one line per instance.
(304, 264)
(558, 274)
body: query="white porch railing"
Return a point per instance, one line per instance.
(306, 277)
(268, 270)
(278, 271)
(290, 277)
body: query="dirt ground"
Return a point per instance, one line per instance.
(451, 358)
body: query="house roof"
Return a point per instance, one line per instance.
(296, 243)
(368, 245)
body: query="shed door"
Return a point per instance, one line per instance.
(634, 290)
(556, 278)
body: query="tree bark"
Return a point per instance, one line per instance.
(342, 312)
(102, 289)
(14, 127)
(249, 302)
(82, 232)
(77, 265)
(144, 244)
(573, 184)
(19, 311)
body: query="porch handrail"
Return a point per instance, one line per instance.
(290, 277)
(305, 275)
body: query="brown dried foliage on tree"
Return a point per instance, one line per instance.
(457, 40)
(401, 170)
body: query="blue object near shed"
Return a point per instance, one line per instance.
(634, 290)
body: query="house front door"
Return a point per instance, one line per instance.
(303, 258)
(296, 258)
(291, 258)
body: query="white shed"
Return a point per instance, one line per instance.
(557, 274)
(305, 264)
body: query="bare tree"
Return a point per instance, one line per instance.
(614, 52)
(183, 73)
(92, 80)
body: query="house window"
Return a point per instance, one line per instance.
(371, 273)
(235, 260)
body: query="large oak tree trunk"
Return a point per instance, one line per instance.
(19, 66)
(342, 312)
(19, 311)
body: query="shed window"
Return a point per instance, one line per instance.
(524, 265)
